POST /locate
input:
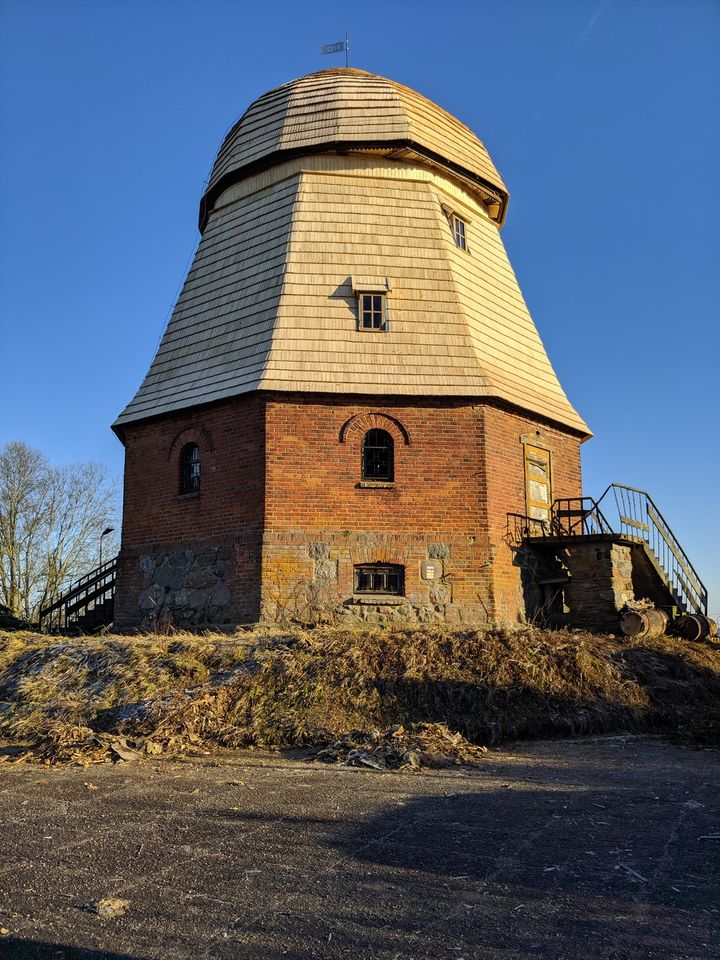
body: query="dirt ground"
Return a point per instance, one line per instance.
(598, 848)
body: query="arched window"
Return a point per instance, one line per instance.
(190, 468)
(377, 455)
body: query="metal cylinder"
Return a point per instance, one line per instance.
(644, 624)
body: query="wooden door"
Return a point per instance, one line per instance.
(538, 484)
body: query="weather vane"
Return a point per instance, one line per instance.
(338, 48)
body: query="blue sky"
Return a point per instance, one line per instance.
(601, 116)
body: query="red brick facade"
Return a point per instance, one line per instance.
(193, 558)
(283, 516)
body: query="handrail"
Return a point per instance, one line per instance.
(637, 518)
(94, 575)
(94, 585)
(579, 515)
(640, 519)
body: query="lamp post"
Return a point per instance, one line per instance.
(105, 532)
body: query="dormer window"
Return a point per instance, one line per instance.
(373, 311)
(459, 232)
(372, 299)
(458, 227)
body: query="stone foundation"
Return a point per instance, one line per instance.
(584, 584)
(313, 580)
(184, 588)
(600, 583)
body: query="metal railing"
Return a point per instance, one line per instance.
(579, 516)
(568, 517)
(629, 513)
(87, 595)
(637, 517)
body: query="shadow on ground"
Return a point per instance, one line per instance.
(548, 852)
(13, 948)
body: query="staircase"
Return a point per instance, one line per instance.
(662, 571)
(86, 606)
(639, 519)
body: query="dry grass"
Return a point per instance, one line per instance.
(49, 680)
(306, 688)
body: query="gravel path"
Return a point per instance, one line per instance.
(594, 848)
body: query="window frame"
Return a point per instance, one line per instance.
(459, 232)
(389, 446)
(381, 575)
(380, 312)
(190, 470)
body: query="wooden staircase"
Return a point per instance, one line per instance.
(85, 607)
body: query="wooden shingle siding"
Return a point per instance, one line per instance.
(268, 303)
(219, 335)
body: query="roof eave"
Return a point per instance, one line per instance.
(490, 191)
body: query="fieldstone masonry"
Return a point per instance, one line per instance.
(600, 583)
(186, 587)
(425, 601)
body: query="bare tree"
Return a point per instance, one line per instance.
(51, 519)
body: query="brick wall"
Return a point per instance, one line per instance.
(193, 558)
(459, 470)
(283, 516)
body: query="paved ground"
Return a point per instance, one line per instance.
(562, 850)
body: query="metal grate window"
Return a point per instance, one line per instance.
(377, 456)
(190, 468)
(380, 578)
(459, 233)
(373, 311)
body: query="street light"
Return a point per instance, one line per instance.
(105, 532)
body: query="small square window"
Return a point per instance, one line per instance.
(379, 578)
(459, 234)
(372, 311)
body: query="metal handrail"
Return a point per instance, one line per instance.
(95, 585)
(569, 517)
(579, 515)
(640, 519)
(636, 518)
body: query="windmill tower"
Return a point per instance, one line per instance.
(350, 396)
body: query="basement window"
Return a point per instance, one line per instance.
(387, 578)
(190, 469)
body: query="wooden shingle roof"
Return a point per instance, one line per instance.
(270, 302)
(347, 109)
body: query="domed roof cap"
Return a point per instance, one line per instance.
(343, 110)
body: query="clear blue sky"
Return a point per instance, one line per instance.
(602, 116)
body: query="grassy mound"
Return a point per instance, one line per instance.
(68, 697)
